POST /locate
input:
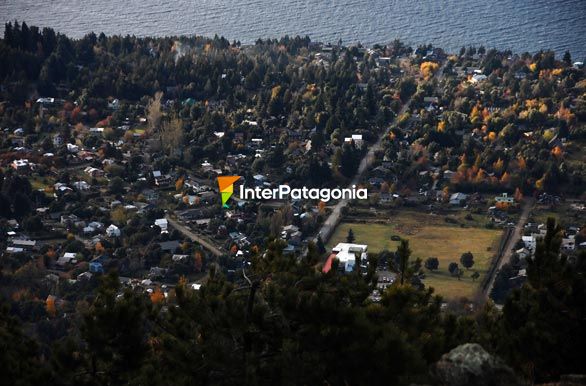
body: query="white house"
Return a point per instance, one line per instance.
(72, 148)
(346, 255)
(67, 258)
(530, 242)
(505, 198)
(163, 224)
(113, 231)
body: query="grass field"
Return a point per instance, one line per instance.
(429, 235)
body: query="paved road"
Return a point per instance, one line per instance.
(331, 222)
(194, 237)
(508, 248)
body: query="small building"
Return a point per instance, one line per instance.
(21, 165)
(81, 185)
(72, 148)
(113, 231)
(458, 199)
(163, 224)
(94, 172)
(346, 254)
(169, 246)
(259, 180)
(24, 244)
(67, 259)
(96, 266)
(505, 199)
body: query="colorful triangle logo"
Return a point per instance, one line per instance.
(226, 185)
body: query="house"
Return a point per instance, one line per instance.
(376, 181)
(357, 139)
(157, 272)
(81, 185)
(505, 199)
(57, 140)
(67, 259)
(177, 258)
(61, 188)
(72, 148)
(346, 254)
(96, 266)
(190, 214)
(458, 199)
(163, 224)
(476, 78)
(568, 243)
(24, 244)
(113, 231)
(259, 180)
(206, 166)
(84, 276)
(169, 246)
(21, 165)
(448, 175)
(150, 195)
(530, 242)
(114, 105)
(161, 179)
(69, 219)
(523, 253)
(93, 227)
(93, 172)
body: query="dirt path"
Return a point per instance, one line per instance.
(507, 251)
(194, 237)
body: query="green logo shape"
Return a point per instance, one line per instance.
(226, 185)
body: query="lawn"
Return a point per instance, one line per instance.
(429, 235)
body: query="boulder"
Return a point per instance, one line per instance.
(470, 364)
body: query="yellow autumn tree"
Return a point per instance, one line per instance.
(50, 305)
(498, 165)
(565, 114)
(179, 183)
(475, 114)
(540, 183)
(557, 152)
(505, 179)
(428, 69)
(441, 126)
(157, 296)
(480, 176)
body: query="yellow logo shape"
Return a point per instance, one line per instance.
(226, 185)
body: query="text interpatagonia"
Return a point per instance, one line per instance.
(304, 193)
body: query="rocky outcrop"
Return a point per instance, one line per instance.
(470, 364)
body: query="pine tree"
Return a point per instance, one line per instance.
(350, 237)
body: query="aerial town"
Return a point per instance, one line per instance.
(111, 149)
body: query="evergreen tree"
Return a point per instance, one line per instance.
(350, 237)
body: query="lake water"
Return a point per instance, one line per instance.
(520, 25)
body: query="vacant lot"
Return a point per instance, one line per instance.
(430, 235)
